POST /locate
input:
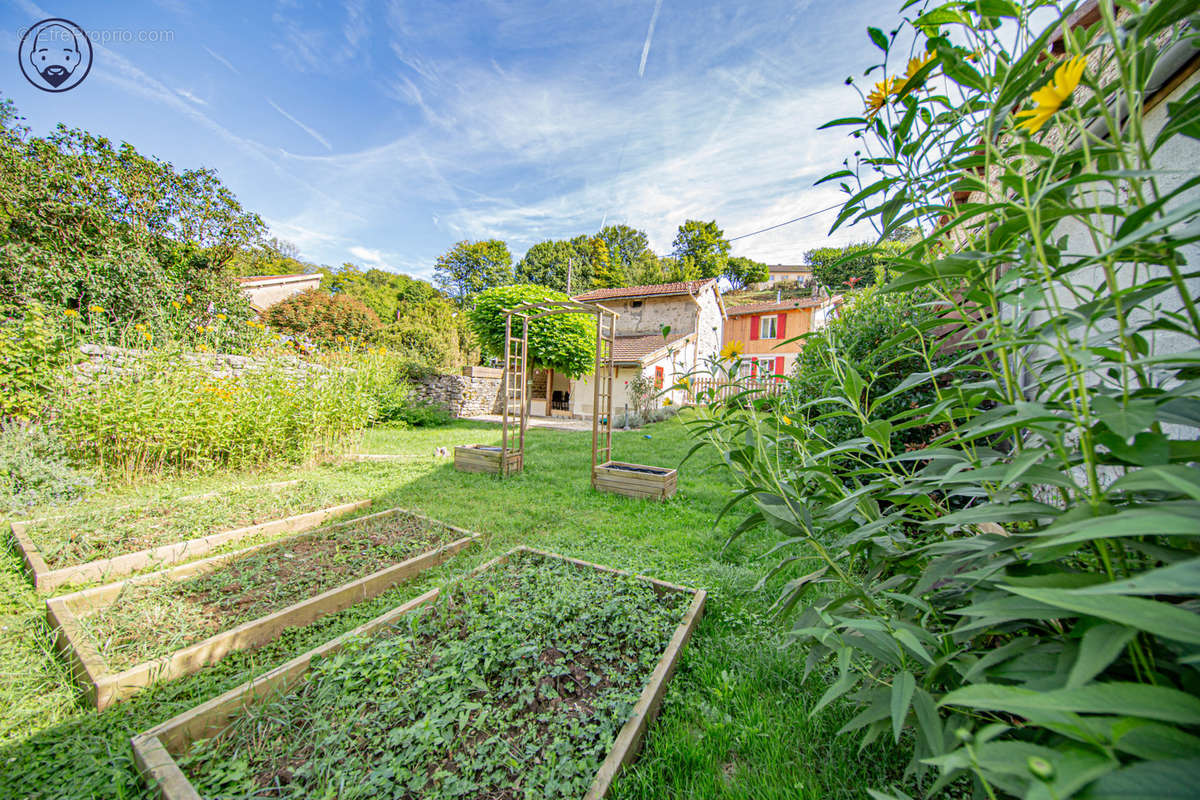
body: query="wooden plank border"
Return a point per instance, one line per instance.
(46, 579)
(475, 458)
(154, 750)
(608, 477)
(104, 687)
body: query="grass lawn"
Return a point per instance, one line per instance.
(734, 724)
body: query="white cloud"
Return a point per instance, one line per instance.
(367, 254)
(185, 94)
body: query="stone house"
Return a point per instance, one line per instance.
(264, 291)
(695, 314)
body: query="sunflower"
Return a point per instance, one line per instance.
(879, 95)
(732, 350)
(915, 65)
(1050, 97)
(96, 309)
(175, 305)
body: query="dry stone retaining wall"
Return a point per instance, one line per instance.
(104, 360)
(463, 395)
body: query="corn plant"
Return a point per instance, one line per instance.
(1018, 588)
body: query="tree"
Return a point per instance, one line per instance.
(649, 269)
(385, 292)
(565, 342)
(431, 332)
(271, 257)
(853, 265)
(608, 273)
(469, 268)
(626, 246)
(701, 247)
(548, 263)
(329, 319)
(742, 271)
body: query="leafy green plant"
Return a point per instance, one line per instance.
(565, 343)
(34, 469)
(328, 319)
(34, 352)
(1018, 593)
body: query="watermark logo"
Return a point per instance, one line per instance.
(55, 55)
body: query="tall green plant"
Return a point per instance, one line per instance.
(1021, 593)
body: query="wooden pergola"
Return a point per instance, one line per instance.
(607, 475)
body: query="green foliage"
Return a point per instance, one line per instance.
(84, 222)
(534, 656)
(328, 319)
(565, 343)
(1013, 596)
(547, 264)
(701, 247)
(627, 247)
(386, 293)
(852, 266)
(34, 469)
(469, 268)
(272, 256)
(34, 351)
(608, 273)
(420, 415)
(641, 393)
(742, 272)
(870, 332)
(167, 411)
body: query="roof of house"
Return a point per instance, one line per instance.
(653, 290)
(781, 305)
(635, 349)
(289, 278)
(789, 268)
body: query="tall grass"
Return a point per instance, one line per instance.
(165, 412)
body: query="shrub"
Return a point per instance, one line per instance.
(34, 469)
(328, 319)
(170, 413)
(33, 354)
(422, 415)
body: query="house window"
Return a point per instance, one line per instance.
(658, 377)
(767, 327)
(636, 304)
(766, 367)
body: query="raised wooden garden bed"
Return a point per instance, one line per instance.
(580, 658)
(486, 458)
(634, 480)
(115, 652)
(47, 578)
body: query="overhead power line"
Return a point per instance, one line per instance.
(789, 222)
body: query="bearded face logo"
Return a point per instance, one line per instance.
(57, 52)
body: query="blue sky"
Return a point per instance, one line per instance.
(382, 133)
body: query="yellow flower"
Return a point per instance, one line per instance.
(175, 305)
(667, 402)
(914, 66)
(786, 419)
(340, 338)
(879, 95)
(139, 327)
(146, 335)
(220, 316)
(70, 312)
(1050, 97)
(187, 298)
(732, 350)
(96, 309)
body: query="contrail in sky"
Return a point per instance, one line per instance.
(302, 126)
(649, 36)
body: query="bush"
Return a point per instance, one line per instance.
(170, 413)
(34, 469)
(34, 351)
(422, 415)
(327, 319)
(565, 343)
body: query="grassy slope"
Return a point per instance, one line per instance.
(735, 720)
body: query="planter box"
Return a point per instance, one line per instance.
(155, 750)
(486, 458)
(46, 579)
(634, 480)
(105, 688)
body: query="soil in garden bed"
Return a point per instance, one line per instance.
(154, 619)
(513, 684)
(103, 533)
(629, 468)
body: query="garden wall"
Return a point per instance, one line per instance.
(471, 394)
(100, 360)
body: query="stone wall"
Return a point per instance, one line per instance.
(101, 360)
(463, 395)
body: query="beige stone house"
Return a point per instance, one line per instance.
(264, 291)
(695, 314)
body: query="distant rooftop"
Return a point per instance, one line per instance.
(652, 290)
(780, 305)
(288, 278)
(633, 349)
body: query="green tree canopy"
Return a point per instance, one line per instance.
(853, 265)
(547, 264)
(626, 246)
(608, 273)
(701, 247)
(742, 271)
(565, 343)
(385, 292)
(469, 268)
